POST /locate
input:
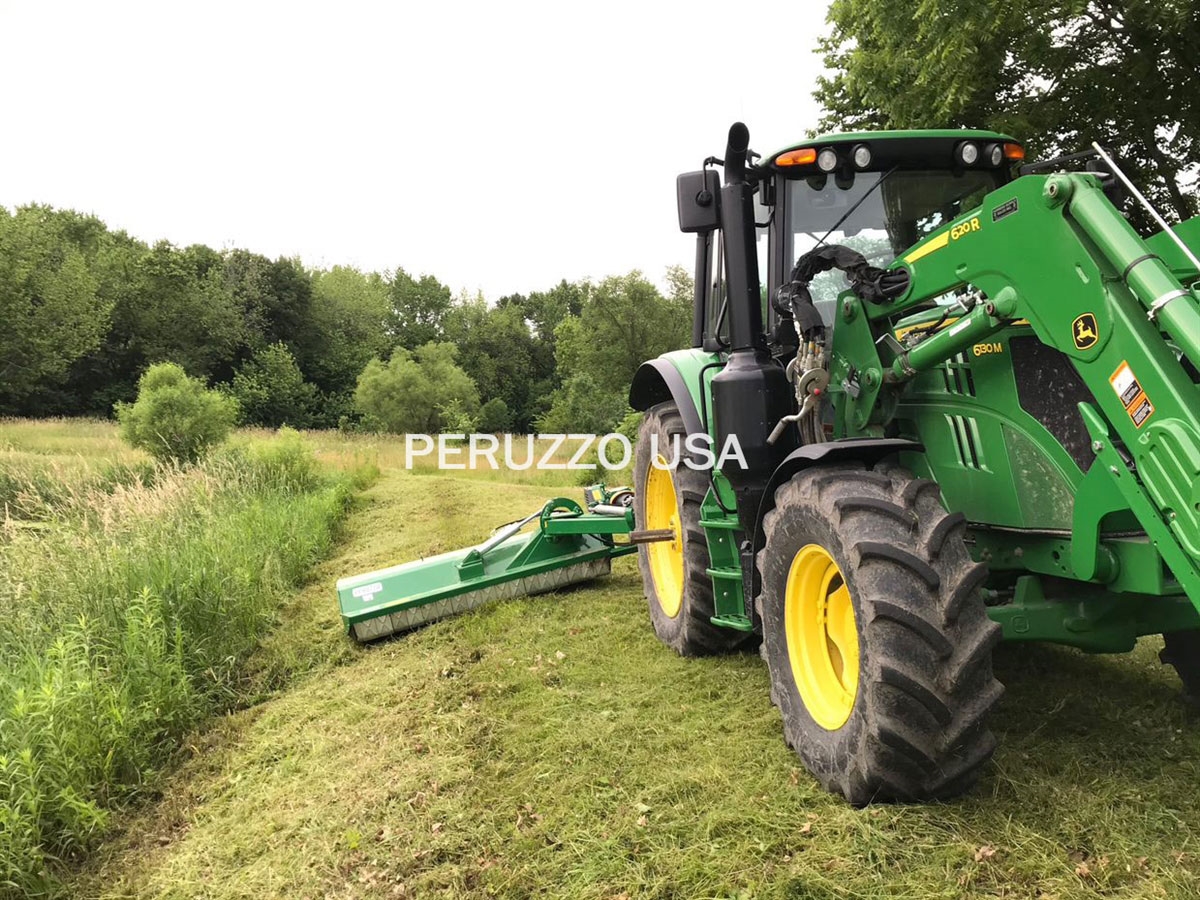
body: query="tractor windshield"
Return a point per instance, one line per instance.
(893, 216)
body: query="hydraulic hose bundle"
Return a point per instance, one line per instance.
(808, 371)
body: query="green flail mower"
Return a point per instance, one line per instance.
(966, 398)
(563, 545)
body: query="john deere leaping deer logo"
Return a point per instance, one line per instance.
(1085, 331)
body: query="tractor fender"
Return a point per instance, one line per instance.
(657, 381)
(865, 450)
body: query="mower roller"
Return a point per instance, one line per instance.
(966, 398)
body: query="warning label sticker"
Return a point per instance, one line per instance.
(1130, 392)
(368, 591)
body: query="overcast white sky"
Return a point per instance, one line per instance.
(498, 146)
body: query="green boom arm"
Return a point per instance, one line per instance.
(1054, 251)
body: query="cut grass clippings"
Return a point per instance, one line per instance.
(552, 747)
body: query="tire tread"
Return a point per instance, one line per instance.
(691, 633)
(930, 688)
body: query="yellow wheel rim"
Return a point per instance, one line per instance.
(822, 638)
(665, 557)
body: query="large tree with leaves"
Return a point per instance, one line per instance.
(500, 353)
(418, 309)
(416, 391)
(624, 321)
(49, 307)
(1057, 74)
(349, 310)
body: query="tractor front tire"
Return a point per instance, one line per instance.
(876, 637)
(678, 587)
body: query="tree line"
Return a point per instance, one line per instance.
(1057, 74)
(87, 310)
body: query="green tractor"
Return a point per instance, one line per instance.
(961, 396)
(966, 399)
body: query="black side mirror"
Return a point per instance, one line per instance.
(698, 194)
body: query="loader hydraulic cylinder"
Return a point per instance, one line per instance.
(1173, 306)
(987, 317)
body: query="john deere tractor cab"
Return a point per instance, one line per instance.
(963, 393)
(877, 194)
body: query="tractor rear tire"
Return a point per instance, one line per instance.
(675, 576)
(889, 703)
(1181, 650)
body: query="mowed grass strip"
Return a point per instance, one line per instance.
(132, 600)
(551, 747)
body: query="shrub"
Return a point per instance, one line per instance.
(630, 425)
(455, 419)
(495, 416)
(176, 418)
(583, 405)
(586, 477)
(413, 391)
(271, 390)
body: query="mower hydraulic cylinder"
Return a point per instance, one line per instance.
(1172, 305)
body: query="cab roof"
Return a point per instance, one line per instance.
(913, 149)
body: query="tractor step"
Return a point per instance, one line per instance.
(737, 623)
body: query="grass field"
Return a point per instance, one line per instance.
(551, 747)
(134, 597)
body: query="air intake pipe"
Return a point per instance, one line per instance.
(751, 393)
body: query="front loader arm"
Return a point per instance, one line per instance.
(1054, 251)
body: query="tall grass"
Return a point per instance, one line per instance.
(129, 611)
